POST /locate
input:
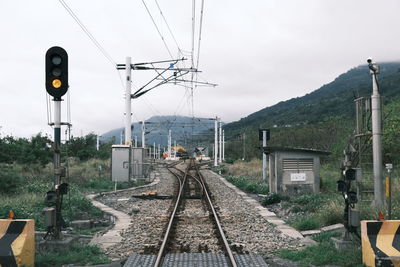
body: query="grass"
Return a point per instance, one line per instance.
(324, 253)
(91, 231)
(27, 201)
(78, 254)
(249, 185)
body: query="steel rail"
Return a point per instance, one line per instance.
(172, 218)
(218, 223)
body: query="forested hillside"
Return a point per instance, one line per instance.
(322, 119)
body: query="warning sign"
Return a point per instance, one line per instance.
(297, 177)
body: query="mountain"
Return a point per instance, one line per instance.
(334, 99)
(157, 128)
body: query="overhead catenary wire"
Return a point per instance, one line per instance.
(169, 28)
(87, 32)
(158, 30)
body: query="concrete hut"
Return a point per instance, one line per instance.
(294, 171)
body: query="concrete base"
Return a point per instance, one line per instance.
(342, 244)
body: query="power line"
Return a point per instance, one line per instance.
(169, 29)
(158, 30)
(86, 31)
(200, 29)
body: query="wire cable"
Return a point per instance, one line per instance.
(200, 30)
(158, 30)
(169, 28)
(87, 32)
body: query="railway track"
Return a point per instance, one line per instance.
(194, 226)
(192, 234)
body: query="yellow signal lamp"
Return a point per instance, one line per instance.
(56, 83)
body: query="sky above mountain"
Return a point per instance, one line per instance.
(258, 52)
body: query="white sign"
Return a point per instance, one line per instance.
(297, 177)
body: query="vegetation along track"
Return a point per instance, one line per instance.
(193, 226)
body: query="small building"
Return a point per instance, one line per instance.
(294, 171)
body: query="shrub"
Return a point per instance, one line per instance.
(249, 185)
(10, 181)
(273, 198)
(306, 222)
(331, 213)
(78, 254)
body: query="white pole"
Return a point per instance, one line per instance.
(154, 150)
(159, 151)
(376, 115)
(143, 132)
(264, 163)
(169, 144)
(175, 149)
(97, 143)
(128, 102)
(220, 142)
(216, 143)
(120, 138)
(135, 140)
(223, 145)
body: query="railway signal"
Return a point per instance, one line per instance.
(56, 72)
(56, 85)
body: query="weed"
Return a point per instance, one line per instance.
(10, 181)
(324, 253)
(306, 222)
(249, 185)
(273, 198)
(78, 254)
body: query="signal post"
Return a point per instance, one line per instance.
(56, 86)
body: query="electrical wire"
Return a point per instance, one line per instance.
(158, 30)
(87, 32)
(200, 30)
(169, 29)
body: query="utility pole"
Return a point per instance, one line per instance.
(154, 150)
(376, 114)
(244, 146)
(264, 163)
(169, 144)
(159, 151)
(143, 132)
(174, 149)
(216, 143)
(136, 140)
(97, 143)
(220, 143)
(223, 145)
(128, 102)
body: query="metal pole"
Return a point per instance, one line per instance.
(389, 168)
(244, 146)
(169, 144)
(135, 140)
(143, 132)
(223, 145)
(128, 102)
(97, 143)
(57, 166)
(220, 143)
(216, 143)
(154, 150)
(376, 114)
(174, 149)
(264, 163)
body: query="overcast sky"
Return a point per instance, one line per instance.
(258, 52)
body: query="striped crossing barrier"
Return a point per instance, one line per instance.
(380, 242)
(17, 242)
